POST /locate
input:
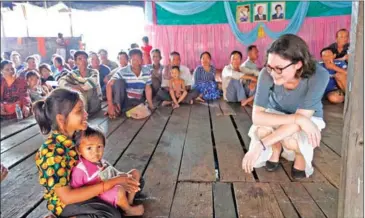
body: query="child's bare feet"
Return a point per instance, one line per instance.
(166, 103)
(200, 99)
(191, 101)
(174, 106)
(135, 211)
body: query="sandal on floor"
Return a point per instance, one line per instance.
(272, 166)
(297, 174)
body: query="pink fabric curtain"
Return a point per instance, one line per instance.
(191, 40)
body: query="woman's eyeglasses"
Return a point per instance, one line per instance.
(278, 70)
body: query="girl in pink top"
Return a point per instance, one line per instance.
(92, 169)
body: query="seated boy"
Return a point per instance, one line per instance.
(336, 88)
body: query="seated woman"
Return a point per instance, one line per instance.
(32, 64)
(13, 91)
(46, 75)
(288, 110)
(204, 79)
(60, 67)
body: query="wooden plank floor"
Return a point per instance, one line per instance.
(191, 161)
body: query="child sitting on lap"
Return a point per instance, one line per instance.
(36, 90)
(177, 87)
(92, 169)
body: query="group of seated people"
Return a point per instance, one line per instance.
(133, 82)
(140, 77)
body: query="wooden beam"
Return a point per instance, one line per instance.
(351, 191)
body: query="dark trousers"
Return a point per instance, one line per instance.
(120, 96)
(164, 95)
(93, 208)
(156, 85)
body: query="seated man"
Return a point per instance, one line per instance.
(235, 85)
(252, 56)
(84, 80)
(164, 94)
(336, 88)
(130, 86)
(123, 62)
(341, 46)
(103, 70)
(156, 70)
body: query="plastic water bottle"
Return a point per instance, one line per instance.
(18, 111)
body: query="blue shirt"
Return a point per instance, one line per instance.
(135, 85)
(332, 84)
(200, 75)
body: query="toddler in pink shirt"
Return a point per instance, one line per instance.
(92, 169)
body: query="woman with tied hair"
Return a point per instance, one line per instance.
(288, 110)
(204, 79)
(61, 115)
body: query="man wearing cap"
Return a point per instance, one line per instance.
(130, 86)
(84, 80)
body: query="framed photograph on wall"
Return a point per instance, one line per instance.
(243, 14)
(260, 12)
(277, 10)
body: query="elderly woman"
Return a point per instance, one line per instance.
(32, 65)
(204, 79)
(288, 111)
(13, 91)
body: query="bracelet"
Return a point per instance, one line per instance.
(263, 146)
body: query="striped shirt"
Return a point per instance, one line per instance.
(135, 85)
(200, 75)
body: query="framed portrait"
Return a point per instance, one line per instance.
(243, 14)
(260, 12)
(277, 10)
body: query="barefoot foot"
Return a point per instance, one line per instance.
(200, 99)
(166, 103)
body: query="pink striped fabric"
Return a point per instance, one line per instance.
(191, 40)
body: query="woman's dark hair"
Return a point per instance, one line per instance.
(145, 39)
(248, 8)
(236, 52)
(175, 67)
(32, 73)
(278, 6)
(44, 66)
(341, 30)
(134, 51)
(3, 63)
(293, 48)
(123, 53)
(103, 50)
(207, 53)
(59, 101)
(59, 60)
(89, 132)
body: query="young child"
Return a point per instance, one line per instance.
(177, 87)
(336, 88)
(92, 169)
(146, 48)
(36, 90)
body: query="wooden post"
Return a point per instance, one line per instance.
(351, 192)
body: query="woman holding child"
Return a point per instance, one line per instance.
(62, 115)
(288, 113)
(204, 78)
